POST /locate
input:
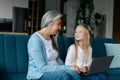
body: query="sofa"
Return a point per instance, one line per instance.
(14, 56)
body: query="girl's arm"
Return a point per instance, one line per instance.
(86, 67)
(69, 57)
(89, 61)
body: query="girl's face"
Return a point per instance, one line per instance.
(55, 27)
(80, 33)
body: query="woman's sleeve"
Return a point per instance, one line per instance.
(69, 57)
(60, 62)
(38, 54)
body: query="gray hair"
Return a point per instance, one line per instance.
(50, 17)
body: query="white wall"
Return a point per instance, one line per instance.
(106, 7)
(109, 24)
(6, 7)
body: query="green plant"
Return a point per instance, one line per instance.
(85, 12)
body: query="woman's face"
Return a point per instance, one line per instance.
(80, 33)
(55, 27)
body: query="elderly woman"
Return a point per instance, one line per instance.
(44, 62)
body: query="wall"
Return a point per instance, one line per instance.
(6, 7)
(52, 5)
(106, 7)
(101, 6)
(72, 7)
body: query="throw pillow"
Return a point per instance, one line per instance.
(113, 49)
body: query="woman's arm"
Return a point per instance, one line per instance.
(37, 52)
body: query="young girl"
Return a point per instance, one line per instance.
(80, 53)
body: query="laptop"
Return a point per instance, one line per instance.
(99, 64)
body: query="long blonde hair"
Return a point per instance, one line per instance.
(86, 44)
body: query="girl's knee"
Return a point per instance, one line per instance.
(93, 78)
(102, 76)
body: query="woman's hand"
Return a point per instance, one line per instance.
(75, 68)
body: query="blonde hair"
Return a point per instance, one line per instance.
(86, 43)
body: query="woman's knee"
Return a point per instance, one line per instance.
(74, 74)
(56, 76)
(66, 76)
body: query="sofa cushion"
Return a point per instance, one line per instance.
(13, 77)
(22, 55)
(113, 77)
(113, 49)
(8, 54)
(113, 71)
(68, 41)
(98, 47)
(13, 53)
(2, 61)
(61, 47)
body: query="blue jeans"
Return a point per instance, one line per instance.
(99, 76)
(61, 75)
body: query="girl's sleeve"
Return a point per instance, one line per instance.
(69, 57)
(37, 52)
(89, 61)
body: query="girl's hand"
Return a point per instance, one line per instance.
(83, 69)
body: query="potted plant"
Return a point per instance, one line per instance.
(85, 12)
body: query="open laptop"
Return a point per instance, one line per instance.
(99, 64)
